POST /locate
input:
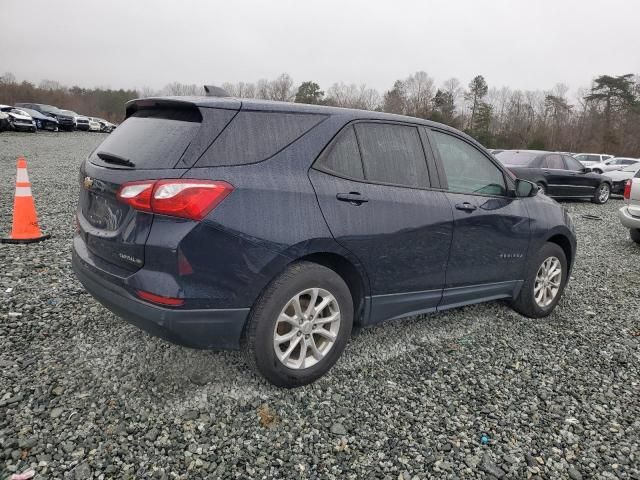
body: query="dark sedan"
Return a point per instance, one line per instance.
(65, 121)
(557, 175)
(43, 122)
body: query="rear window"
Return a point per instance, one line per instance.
(514, 158)
(256, 136)
(154, 138)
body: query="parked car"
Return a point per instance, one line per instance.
(94, 124)
(630, 214)
(588, 159)
(43, 122)
(18, 119)
(65, 120)
(558, 176)
(612, 164)
(4, 121)
(299, 221)
(619, 177)
(83, 123)
(106, 126)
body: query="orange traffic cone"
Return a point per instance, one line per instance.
(25, 220)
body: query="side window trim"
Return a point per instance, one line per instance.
(362, 162)
(443, 177)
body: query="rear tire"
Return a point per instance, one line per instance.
(602, 194)
(635, 235)
(284, 310)
(529, 301)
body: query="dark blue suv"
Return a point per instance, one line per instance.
(275, 227)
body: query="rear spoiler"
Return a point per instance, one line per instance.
(213, 91)
(225, 103)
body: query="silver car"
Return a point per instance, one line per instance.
(630, 213)
(612, 164)
(588, 159)
(619, 177)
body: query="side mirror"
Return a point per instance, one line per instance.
(525, 188)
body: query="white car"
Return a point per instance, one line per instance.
(19, 119)
(588, 159)
(94, 125)
(630, 213)
(612, 164)
(619, 177)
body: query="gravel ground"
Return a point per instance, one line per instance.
(478, 392)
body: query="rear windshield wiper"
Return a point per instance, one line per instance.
(110, 158)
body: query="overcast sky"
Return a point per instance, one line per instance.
(526, 44)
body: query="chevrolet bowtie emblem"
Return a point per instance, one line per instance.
(88, 182)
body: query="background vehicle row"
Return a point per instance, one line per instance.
(38, 116)
(557, 175)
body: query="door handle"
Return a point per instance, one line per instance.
(354, 198)
(546, 172)
(466, 206)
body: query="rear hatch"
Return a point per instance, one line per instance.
(158, 140)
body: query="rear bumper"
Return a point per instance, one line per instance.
(205, 329)
(618, 187)
(627, 219)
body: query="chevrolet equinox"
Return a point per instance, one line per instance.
(222, 223)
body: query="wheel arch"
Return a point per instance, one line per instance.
(565, 244)
(353, 276)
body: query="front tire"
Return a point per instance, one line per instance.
(544, 283)
(299, 326)
(635, 234)
(542, 188)
(602, 194)
(597, 170)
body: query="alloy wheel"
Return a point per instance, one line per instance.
(603, 193)
(547, 283)
(307, 328)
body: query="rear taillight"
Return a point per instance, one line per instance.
(159, 299)
(192, 199)
(627, 189)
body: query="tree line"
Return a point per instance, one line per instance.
(602, 118)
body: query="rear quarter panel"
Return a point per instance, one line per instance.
(273, 215)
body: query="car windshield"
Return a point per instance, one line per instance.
(516, 158)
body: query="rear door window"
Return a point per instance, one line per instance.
(554, 162)
(153, 138)
(254, 136)
(392, 154)
(466, 168)
(573, 164)
(343, 157)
